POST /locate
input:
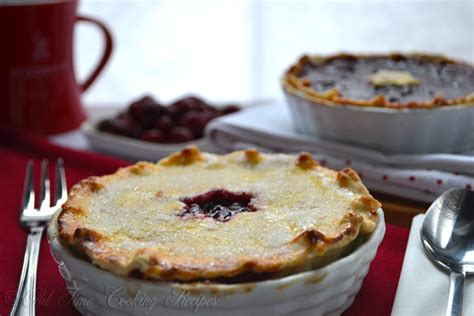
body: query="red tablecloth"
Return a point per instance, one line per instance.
(375, 298)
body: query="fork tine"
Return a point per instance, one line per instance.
(45, 197)
(28, 201)
(61, 186)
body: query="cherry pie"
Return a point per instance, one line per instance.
(392, 80)
(194, 216)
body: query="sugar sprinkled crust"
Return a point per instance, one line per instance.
(306, 216)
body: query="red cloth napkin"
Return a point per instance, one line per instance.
(375, 298)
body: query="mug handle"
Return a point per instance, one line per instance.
(105, 56)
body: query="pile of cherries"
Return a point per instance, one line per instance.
(182, 121)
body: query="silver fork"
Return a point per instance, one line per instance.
(34, 220)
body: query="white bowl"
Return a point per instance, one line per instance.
(135, 149)
(325, 291)
(446, 129)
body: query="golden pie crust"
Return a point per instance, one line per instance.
(294, 82)
(306, 216)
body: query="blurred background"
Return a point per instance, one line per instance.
(237, 50)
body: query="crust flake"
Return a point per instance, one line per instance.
(185, 157)
(92, 183)
(305, 161)
(252, 156)
(140, 168)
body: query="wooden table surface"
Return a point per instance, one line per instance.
(400, 211)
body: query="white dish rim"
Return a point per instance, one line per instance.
(374, 240)
(89, 129)
(323, 102)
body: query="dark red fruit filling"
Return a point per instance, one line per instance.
(221, 205)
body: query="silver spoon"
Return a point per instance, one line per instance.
(447, 235)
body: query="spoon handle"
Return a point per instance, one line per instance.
(455, 294)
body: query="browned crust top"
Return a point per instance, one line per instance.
(310, 246)
(295, 84)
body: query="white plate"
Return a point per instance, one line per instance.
(135, 149)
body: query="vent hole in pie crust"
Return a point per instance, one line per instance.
(220, 205)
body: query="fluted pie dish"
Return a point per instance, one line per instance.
(394, 103)
(245, 232)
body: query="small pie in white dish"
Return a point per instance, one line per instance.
(250, 228)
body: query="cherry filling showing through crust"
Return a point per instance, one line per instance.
(221, 205)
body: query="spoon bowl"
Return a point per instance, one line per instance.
(447, 235)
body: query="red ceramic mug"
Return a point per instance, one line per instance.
(38, 88)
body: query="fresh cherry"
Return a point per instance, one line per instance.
(124, 126)
(230, 109)
(145, 111)
(195, 103)
(153, 135)
(186, 104)
(179, 107)
(180, 134)
(164, 123)
(195, 121)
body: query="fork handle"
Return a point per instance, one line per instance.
(26, 294)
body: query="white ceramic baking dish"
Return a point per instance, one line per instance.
(325, 291)
(447, 129)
